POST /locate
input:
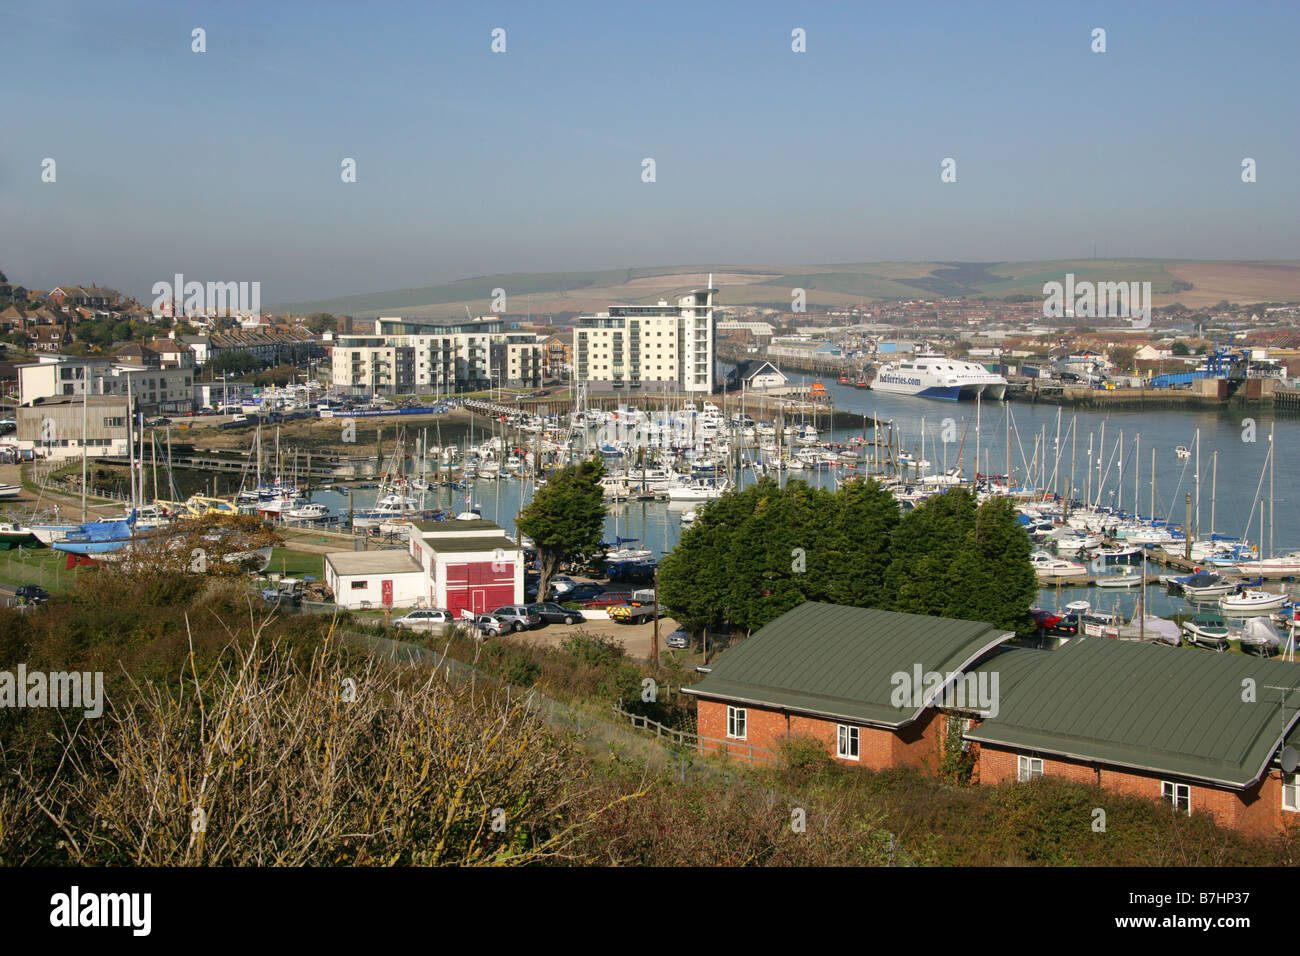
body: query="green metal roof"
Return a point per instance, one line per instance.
(485, 543)
(1012, 665)
(1148, 707)
(454, 526)
(840, 662)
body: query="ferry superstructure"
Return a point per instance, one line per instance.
(935, 376)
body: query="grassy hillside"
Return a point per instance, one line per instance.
(825, 285)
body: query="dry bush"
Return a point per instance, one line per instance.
(347, 760)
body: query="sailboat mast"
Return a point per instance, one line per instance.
(1101, 453)
(1153, 484)
(1214, 488)
(130, 438)
(1008, 448)
(1074, 453)
(1056, 465)
(1087, 495)
(85, 397)
(1137, 475)
(1197, 478)
(1271, 465)
(1119, 478)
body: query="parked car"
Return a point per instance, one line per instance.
(1066, 626)
(562, 585)
(634, 613)
(679, 638)
(607, 599)
(32, 594)
(1044, 618)
(580, 592)
(489, 625)
(425, 619)
(518, 617)
(158, 420)
(555, 614)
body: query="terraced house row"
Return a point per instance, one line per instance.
(1197, 730)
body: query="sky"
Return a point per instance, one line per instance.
(226, 165)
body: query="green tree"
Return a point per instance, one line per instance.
(925, 545)
(991, 578)
(1180, 348)
(566, 518)
(1122, 356)
(319, 322)
(859, 542)
(695, 577)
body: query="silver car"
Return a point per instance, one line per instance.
(519, 617)
(425, 619)
(489, 625)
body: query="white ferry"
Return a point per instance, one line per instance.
(935, 376)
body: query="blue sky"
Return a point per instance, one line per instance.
(225, 165)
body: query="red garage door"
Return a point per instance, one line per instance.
(474, 586)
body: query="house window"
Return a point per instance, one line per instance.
(359, 585)
(1179, 794)
(736, 722)
(848, 742)
(1029, 768)
(1291, 792)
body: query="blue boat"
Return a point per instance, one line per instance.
(98, 537)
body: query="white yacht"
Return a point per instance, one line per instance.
(935, 376)
(389, 508)
(312, 511)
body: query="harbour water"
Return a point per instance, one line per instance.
(1241, 439)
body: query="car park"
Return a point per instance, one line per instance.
(425, 619)
(518, 617)
(552, 613)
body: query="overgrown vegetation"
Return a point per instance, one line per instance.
(231, 738)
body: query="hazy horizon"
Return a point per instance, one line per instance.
(225, 165)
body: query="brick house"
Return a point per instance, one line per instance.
(93, 297)
(835, 673)
(1199, 731)
(48, 338)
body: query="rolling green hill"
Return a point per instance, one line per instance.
(824, 285)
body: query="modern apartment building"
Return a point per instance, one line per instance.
(165, 390)
(405, 356)
(636, 345)
(368, 364)
(58, 427)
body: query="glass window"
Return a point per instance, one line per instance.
(1291, 792)
(848, 742)
(1179, 794)
(736, 722)
(1029, 768)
